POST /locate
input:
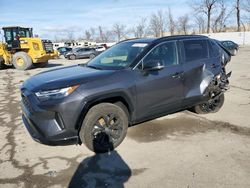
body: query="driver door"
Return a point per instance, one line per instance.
(159, 91)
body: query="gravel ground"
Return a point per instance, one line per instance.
(183, 150)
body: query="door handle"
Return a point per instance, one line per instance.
(177, 74)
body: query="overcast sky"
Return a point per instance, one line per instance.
(52, 17)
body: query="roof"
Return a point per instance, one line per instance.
(160, 39)
(9, 27)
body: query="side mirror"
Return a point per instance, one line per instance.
(153, 65)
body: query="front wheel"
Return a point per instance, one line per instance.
(211, 106)
(104, 127)
(234, 52)
(22, 61)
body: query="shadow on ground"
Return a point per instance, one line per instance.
(186, 123)
(101, 170)
(50, 65)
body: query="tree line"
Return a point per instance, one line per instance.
(206, 16)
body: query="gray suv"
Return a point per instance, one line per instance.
(79, 52)
(132, 82)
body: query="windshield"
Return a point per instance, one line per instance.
(118, 56)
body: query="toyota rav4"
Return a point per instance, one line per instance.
(132, 82)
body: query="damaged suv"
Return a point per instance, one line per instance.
(132, 82)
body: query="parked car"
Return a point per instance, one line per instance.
(131, 82)
(79, 52)
(63, 50)
(231, 46)
(100, 48)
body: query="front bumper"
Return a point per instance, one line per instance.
(51, 123)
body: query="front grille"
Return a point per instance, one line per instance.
(48, 46)
(26, 103)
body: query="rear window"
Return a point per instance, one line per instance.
(195, 49)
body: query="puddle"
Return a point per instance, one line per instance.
(161, 129)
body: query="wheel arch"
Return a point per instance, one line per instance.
(109, 98)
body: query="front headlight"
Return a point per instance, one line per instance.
(56, 93)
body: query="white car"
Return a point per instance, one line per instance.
(100, 48)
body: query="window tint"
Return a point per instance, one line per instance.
(195, 49)
(213, 48)
(165, 53)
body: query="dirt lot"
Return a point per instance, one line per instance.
(182, 150)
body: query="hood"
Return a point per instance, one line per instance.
(64, 77)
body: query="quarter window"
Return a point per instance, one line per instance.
(195, 49)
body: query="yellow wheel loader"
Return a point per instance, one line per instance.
(23, 51)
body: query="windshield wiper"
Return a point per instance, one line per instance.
(93, 67)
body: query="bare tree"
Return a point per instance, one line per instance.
(247, 6)
(200, 21)
(219, 23)
(93, 32)
(101, 34)
(205, 7)
(140, 29)
(237, 7)
(171, 22)
(88, 35)
(156, 24)
(183, 24)
(70, 35)
(104, 35)
(119, 31)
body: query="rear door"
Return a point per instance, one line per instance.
(160, 91)
(199, 68)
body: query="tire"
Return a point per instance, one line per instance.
(72, 57)
(235, 52)
(99, 133)
(92, 56)
(210, 106)
(22, 61)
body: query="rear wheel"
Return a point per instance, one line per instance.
(72, 57)
(104, 127)
(92, 56)
(22, 61)
(211, 106)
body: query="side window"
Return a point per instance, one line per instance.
(230, 43)
(8, 35)
(195, 49)
(213, 48)
(165, 53)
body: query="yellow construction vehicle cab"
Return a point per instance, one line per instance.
(23, 51)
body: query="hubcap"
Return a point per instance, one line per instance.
(107, 130)
(20, 61)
